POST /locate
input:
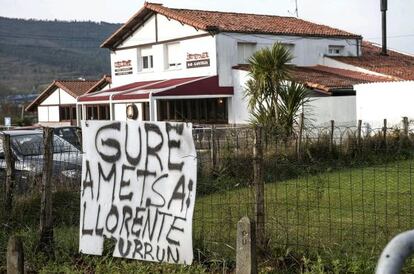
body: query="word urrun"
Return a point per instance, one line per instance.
(138, 189)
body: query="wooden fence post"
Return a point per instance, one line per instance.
(405, 126)
(259, 187)
(46, 222)
(213, 150)
(10, 174)
(331, 137)
(384, 132)
(359, 137)
(246, 261)
(299, 146)
(15, 256)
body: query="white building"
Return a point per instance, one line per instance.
(187, 65)
(56, 105)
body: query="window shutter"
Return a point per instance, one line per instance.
(174, 54)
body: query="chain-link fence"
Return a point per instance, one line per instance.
(343, 189)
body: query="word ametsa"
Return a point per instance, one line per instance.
(138, 188)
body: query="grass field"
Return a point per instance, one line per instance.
(330, 222)
(353, 211)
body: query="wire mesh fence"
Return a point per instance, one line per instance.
(343, 189)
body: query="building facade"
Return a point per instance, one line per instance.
(56, 105)
(189, 65)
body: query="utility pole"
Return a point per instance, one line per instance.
(384, 8)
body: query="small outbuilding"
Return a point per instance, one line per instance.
(56, 105)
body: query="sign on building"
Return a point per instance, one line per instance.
(123, 67)
(197, 60)
(138, 189)
(7, 121)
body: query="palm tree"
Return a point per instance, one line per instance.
(274, 101)
(269, 69)
(293, 97)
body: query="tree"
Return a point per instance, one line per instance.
(293, 97)
(270, 73)
(269, 68)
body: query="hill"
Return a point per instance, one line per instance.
(33, 52)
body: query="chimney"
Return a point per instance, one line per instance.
(384, 7)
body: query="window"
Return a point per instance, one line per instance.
(67, 113)
(173, 56)
(97, 112)
(205, 111)
(244, 51)
(336, 50)
(147, 61)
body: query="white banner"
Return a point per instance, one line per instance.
(138, 188)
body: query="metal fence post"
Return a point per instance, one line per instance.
(259, 208)
(46, 222)
(10, 174)
(246, 261)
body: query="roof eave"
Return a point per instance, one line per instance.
(35, 102)
(114, 39)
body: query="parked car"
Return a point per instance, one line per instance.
(28, 148)
(71, 134)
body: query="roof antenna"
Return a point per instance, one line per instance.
(296, 9)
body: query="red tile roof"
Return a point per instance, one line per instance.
(105, 80)
(327, 79)
(73, 87)
(396, 64)
(215, 21)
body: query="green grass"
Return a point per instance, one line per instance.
(330, 222)
(353, 211)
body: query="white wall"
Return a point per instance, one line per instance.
(342, 109)
(58, 97)
(48, 110)
(53, 114)
(307, 51)
(66, 98)
(377, 101)
(172, 29)
(167, 29)
(143, 35)
(321, 110)
(160, 72)
(238, 108)
(52, 99)
(42, 113)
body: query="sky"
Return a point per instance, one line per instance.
(357, 16)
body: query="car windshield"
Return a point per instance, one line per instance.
(32, 144)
